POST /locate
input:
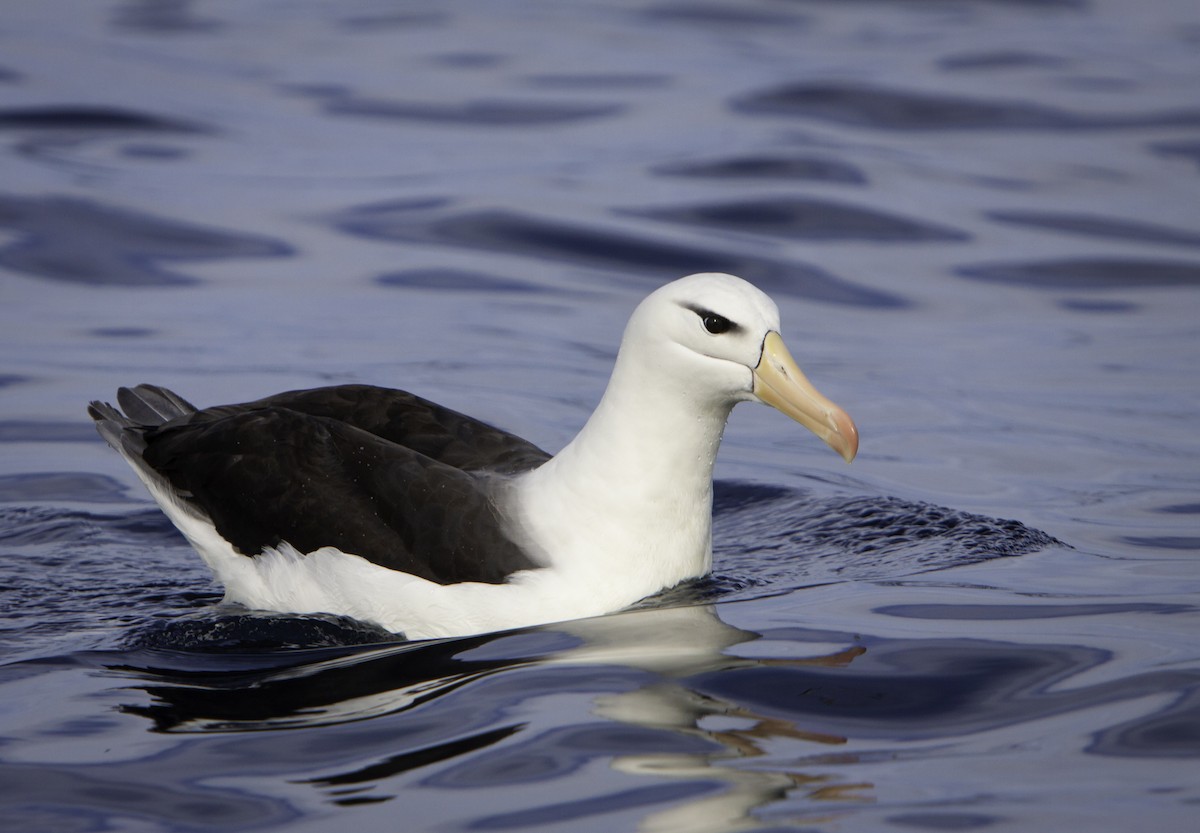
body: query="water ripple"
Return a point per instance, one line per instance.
(92, 119)
(805, 219)
(1091, 225)
(1188, 149)
(1000, 60)
(890, 109)
(455, 280)
(637, 253)
(88, 242)
(768, 167)
(53, 486)
(1088, 273)
(473, 113)
(767, 539)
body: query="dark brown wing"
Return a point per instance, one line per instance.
(380, 473)
(407, 420)
(267, 473)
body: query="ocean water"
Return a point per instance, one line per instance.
(981, 221)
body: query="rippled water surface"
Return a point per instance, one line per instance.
(982, 224)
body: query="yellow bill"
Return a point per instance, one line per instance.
(779, 382)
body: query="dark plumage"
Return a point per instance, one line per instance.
(364, 469)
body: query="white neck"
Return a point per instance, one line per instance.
(631, 495)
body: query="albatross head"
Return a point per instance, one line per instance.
(717, 336)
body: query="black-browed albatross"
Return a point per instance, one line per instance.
(379, 505)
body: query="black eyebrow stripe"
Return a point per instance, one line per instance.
(701, 311)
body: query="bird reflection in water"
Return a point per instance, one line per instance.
(693, 641)
(466, 713)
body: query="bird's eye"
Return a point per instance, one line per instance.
(716, 324)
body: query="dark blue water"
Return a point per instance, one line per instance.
(982, 224)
